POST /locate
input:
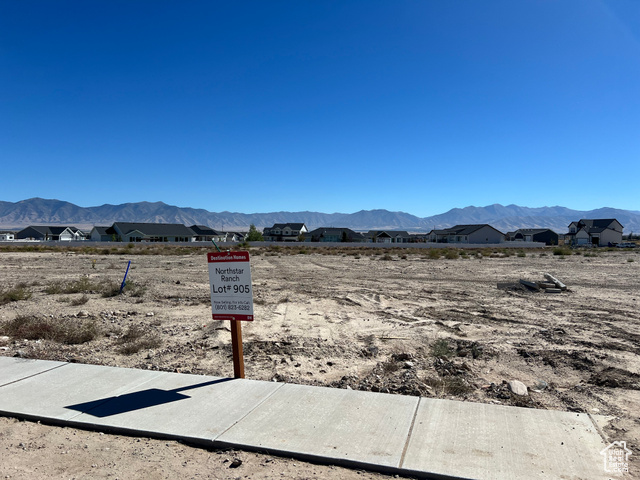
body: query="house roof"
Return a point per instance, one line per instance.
(594, 225)
(292, 226)
(333, 231)
(104, 230)
(596, 222)
(204, 230)
(533, 231)
(463, 229)
(155, 229)
(49, 229)
(389, 233)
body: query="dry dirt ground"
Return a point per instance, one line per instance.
(396, 321)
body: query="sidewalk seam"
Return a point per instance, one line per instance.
(214, 439)
(598, 429)
(406, 444)
(35, 374)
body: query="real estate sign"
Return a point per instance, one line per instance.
(231, 289)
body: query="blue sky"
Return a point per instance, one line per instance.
(332, 106)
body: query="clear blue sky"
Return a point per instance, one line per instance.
(332, 106)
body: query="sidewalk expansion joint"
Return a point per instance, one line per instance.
(247, 414)
(34, 375)
(406, 444)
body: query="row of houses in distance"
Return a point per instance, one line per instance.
(598, 232)
(298, 232)
(130, 232)
(469, 234)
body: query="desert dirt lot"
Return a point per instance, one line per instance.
(396, 321)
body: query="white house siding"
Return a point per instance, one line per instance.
(610, 236)
(66, 236)
(582, 237)
(486, 234)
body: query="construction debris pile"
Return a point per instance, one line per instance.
(550, 285)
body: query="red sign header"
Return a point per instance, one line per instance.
(215, 257)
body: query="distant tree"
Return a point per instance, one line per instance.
(254, 235)
(345, 238)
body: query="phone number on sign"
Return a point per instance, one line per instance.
(230, 308)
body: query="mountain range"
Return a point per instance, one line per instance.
(39, 211)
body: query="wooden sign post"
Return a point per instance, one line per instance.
(236, 348)
(232, 297)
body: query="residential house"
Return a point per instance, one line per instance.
(202, 233)
(284, 232)
(467, 234)
(388, 236)
(234, 236)
(544, 235)
(152, 232)
(55, 233)
(7, 236)
(331, 234)
(599, 232)
(102, 234)
(73, 233)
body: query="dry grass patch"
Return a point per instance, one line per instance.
(67, 331)
(15, 294)
(449, 385)
(82, 285)
(138, 338)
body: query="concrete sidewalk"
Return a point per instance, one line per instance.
(388, 433)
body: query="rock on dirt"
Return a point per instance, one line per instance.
(518, 388)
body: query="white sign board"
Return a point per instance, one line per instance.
(231, 289)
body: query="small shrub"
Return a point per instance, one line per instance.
(451, 254)
(449, 385)
(561, 251)
(441, 348)
(629, 259)
(112, 289)
(54, 289)
(386, 256)
(390, 366)
(138, 338)
(19, 292)
(522, 254)
(434, 254)
(80, 301)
